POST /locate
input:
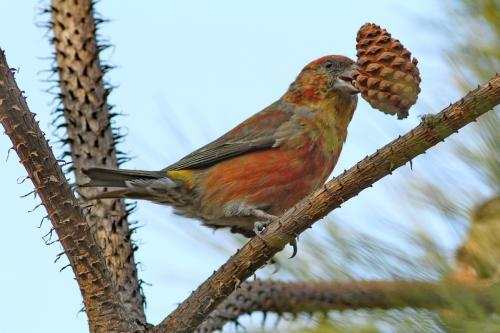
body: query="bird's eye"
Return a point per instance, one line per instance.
(328, 64)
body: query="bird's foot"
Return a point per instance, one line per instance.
(259, 227)
(260, 214)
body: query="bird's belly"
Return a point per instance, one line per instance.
(270, 180)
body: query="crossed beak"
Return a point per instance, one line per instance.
(345, 83)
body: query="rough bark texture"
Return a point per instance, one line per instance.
(432, 130)
(102, 304)
(91, 140)
(309, 297)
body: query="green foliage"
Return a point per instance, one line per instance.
(473, 47)
(475, 43)
(481, 251)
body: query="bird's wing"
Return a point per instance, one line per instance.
(263, 130)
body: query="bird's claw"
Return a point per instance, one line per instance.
(293, 244)
(260, 226)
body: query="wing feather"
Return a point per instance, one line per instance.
(261, 131)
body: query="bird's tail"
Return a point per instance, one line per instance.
(134, 184)
(117, 177)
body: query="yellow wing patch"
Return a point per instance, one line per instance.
(184, 176)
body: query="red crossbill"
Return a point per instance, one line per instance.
(263, 166)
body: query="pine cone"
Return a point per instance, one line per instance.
(387, 77)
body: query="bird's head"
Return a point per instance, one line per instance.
(327, 77)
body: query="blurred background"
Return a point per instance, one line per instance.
(188, 71)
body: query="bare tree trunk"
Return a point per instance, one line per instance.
(103, 306)
(260, 249)
(91, 140)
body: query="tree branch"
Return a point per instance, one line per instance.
(475, 279)
(91, 139)
(103, 307)
(256, 252)
(308, 297)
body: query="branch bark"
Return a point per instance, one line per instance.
(308, 297)
(91, 141)
(102, 304)
(256, 252)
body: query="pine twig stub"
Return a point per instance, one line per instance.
(296, 220)
(91, 139)
(103, 307)
(387, 76)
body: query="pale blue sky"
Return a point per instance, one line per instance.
(187, 72)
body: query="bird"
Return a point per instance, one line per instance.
(252, 174)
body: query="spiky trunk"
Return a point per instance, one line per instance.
(103, 307)
(90, 138)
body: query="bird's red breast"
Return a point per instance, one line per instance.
(273, 179)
